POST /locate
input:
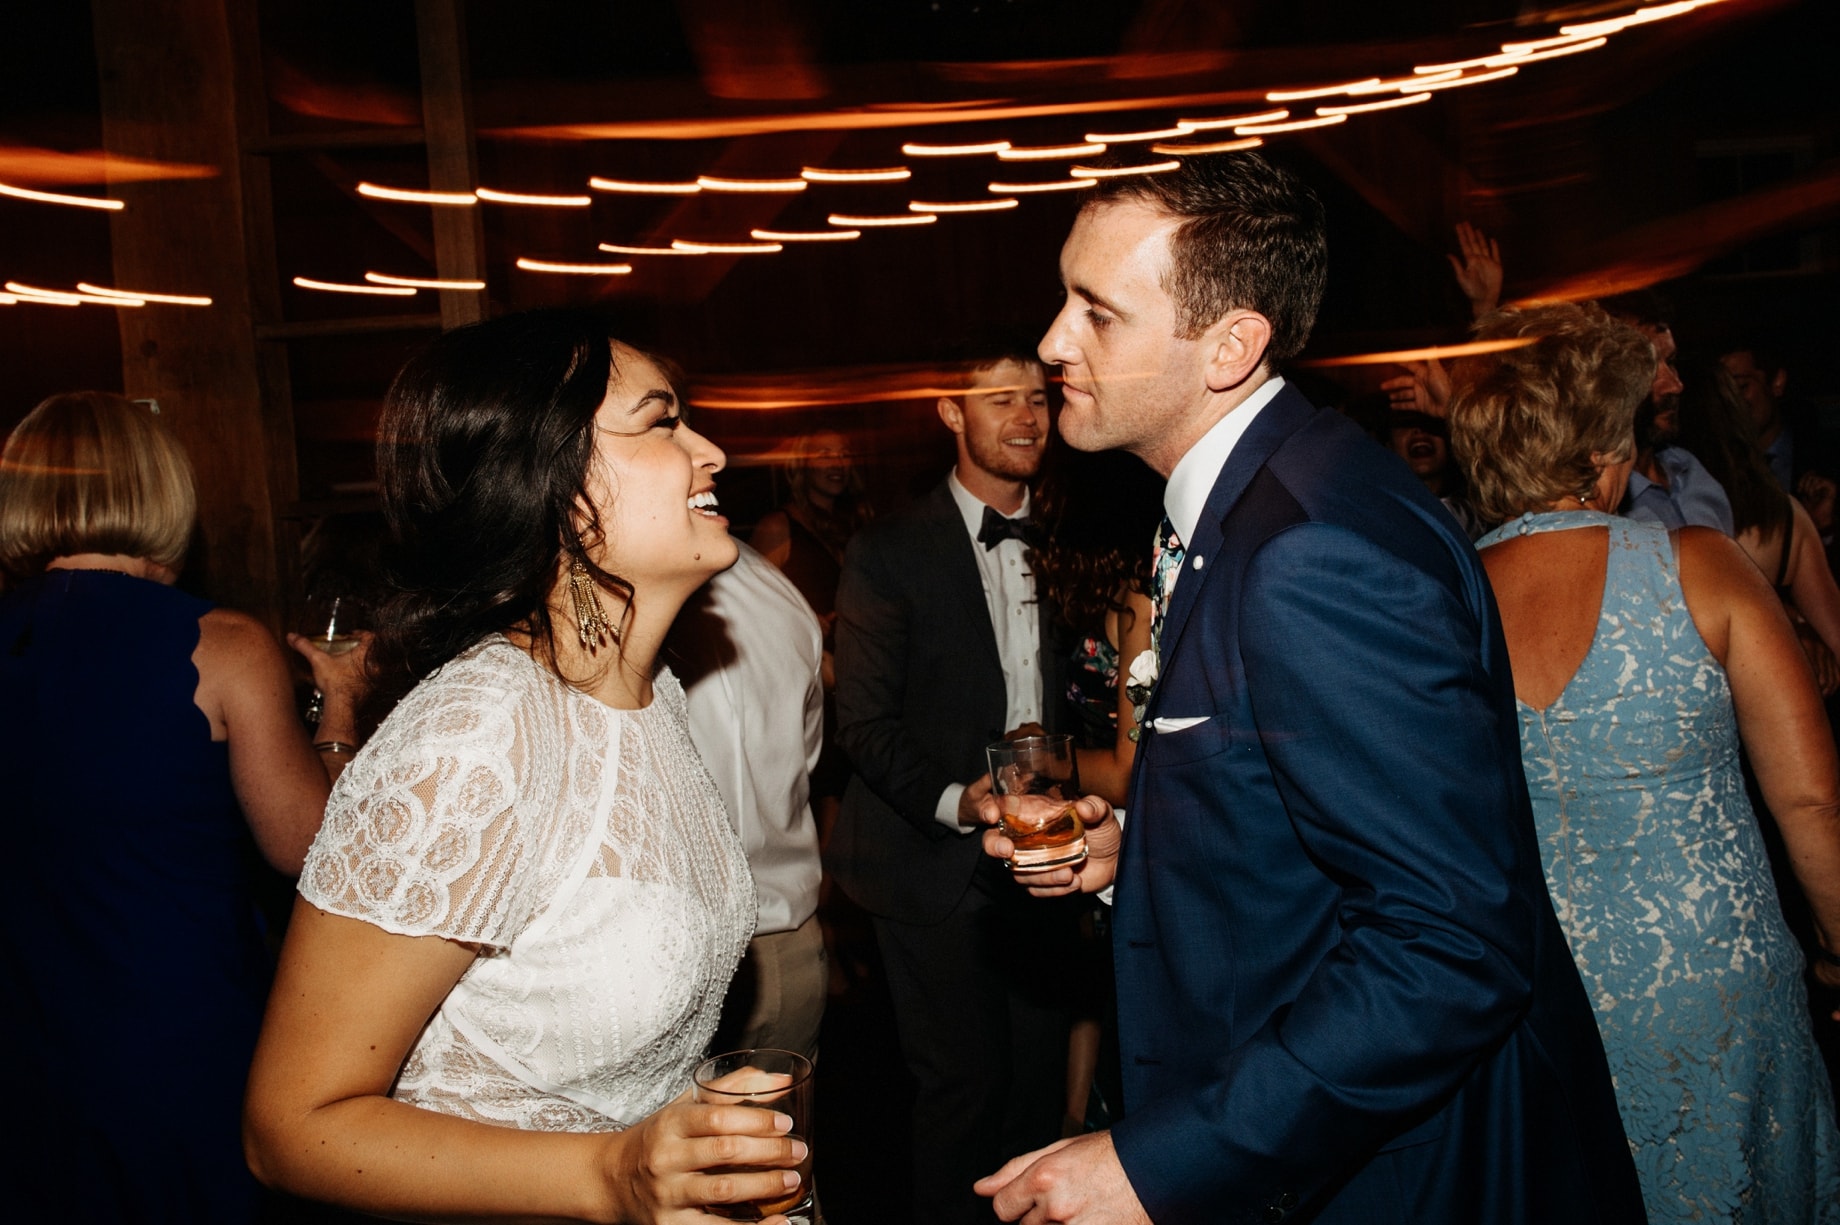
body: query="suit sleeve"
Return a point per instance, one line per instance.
(875, 617)
(1383, 734)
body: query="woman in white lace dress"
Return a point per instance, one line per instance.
(519, 919)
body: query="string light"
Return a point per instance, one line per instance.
(52, 197)
(1113, 172)
(1025, 189)
(989, 146)
(633, 187)
(614, 248)
(1320, 91)
(879, 221)
(1126, 138)
(804, 235)
(458, 199)
(1232, 121)
(1551, 53)
(966, 206)
(711, 183)
(382, 291)
(409, 282)
(64, 297)
(890, 175)
(1477, 79)
(726, 248)
(541, 265)
(1381, 87)
(510, 197)
(1047, 153)
(1385, 104)
(170, 299)
(1219, 146)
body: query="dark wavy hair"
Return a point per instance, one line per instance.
(483, 453)
(1253, 237)
(1715, 425)
(1098, 513)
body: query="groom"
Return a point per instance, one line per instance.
(1343, 996)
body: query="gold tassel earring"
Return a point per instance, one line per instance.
(590, 618)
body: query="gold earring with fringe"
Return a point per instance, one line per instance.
(590, 617)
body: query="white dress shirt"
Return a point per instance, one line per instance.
(1009, 598)
(752, 650)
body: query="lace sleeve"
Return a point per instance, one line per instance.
(437, 827)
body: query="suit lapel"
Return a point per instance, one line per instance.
(958, 573)
(1276, 422)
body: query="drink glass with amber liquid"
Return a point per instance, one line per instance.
(771, 1080)
(1036, 779)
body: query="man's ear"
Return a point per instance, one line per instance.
(952, 413)
(1779, 382)
(1235, 348)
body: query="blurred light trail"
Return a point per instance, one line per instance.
(1232, 121)
(511, 197)
(726, 248)
(460, 199)
(805, 235)
(543, 265)
(1477, 79)
(964, 206)
(64, 297)
(411, 282)
(1551, 53)
(614, 248)
(1024, 189)
(989, 146)
(30, 164)
(1114, 172)
(1385, 104)
(1439, 352)
(381, 291)
(712, 183)
(637, 188)
(1382, 87)
(1320, 91)
(1046, 153)
(1126, 138)
(892, 174)
(1294, 125)
(52, 197)
(170, 299)
(1218, 146)
(875, 220)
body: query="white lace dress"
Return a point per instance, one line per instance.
(583, 850)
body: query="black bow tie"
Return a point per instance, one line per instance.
(998, 528)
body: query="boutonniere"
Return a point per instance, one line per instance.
(1138, 686)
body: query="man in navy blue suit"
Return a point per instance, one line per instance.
(1343, 996)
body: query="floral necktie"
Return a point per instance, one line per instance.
(1165, 561)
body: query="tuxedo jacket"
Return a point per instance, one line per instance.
(919, 695)
(1343, 994)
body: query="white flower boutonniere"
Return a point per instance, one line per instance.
(1138, 686)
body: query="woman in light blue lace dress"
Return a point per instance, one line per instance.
(1639, 657)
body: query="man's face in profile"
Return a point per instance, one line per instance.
(1658, 419)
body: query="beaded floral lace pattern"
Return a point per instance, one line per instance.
(585, 853)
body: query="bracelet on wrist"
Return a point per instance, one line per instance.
(336, 747)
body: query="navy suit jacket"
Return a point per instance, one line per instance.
(1343, 994)
(919, 695)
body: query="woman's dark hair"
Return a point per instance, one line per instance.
(1715, 426)
(483, 453)
(1098, 513)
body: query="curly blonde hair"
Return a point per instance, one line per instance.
(1533, 424)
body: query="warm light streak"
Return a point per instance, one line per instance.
(710, 183)
(410, 282)
(64, 297)
(1477, 79)
(382, 291)
(1320, 91)
(1381, 87)
(1046, 153)
(1438, 352)
(1218, 146)
(726, 248)
(989, 146)
(1481, 61)
(1385, 104)
(543, 265)
(965, 206)
(52, 197)
(1126, 138)
(1642, 16)
(1551, 53)
(170, 299)
(1232, 121)
(805, 235)
(892, 174)
(1294, 125)
(633, 187)
(511, 197)
(457, 198)
(1024, 189)
(36, 300)
(1113, 172)
(880, 220)
(614, 248)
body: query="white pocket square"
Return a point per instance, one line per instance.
(1166, 725)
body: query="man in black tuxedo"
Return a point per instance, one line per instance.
(942, 649)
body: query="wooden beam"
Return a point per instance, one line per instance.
(181, 81)
(447, 118)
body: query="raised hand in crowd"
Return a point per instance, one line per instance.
(1423, 388)
(1478, 269)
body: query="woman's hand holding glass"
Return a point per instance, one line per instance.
(662, 1170)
